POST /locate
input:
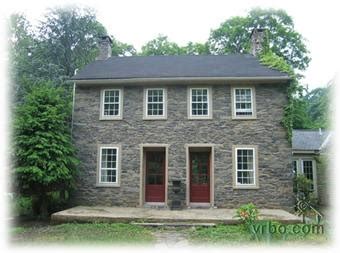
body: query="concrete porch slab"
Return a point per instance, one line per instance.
(126, 214)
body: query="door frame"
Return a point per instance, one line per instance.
(142, 170)
(212, 171)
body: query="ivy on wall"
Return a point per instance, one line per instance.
(271, 60)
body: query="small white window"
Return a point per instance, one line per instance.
(108, 165)
(200, 103)
(243, 103)
(308, 172)
(155, 103)
(111, 105)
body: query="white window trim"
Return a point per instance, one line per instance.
(300, 170)
(209, 116)
(145, 105)
(120, 112)
(253, 102)
(99, 183)
(237, 185)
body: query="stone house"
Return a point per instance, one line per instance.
(311, 150)
(182, 131)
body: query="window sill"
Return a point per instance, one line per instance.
(246, 187)
(100, 185)
(199, 118)
(112, 118)
(243, 118)
(155, 118)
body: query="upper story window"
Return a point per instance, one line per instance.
(155, 103)
(245, 165)
(111, 104)
(243, 103)
(108, 165)
(200, 103)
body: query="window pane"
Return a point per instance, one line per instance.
(155, 102)
(243, 102)
(199, 102)
(245, 166)
(111, 102)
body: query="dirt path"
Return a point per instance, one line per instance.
(171, 237)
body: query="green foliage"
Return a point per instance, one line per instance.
(239, 235)
(317, 106)
(44, 155)
(122, 49)
(89, 233)
(161, 46)
(248, 213)
(21, 206)
(65, 40)
(233, 36)
(270, 59)
(303, 185)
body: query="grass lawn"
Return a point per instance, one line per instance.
(91, 233)
(120, 234)
(239, 235)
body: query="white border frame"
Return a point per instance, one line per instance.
(118, 166)
(236, 185)
(300, 160)
(145, 105)
(210, 104)
(253, 102)
(111, 117)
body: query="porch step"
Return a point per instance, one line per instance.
(173, 224)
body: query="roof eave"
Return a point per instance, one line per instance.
(305, 151)
(176, 80)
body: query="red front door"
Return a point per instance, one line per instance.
(155, 176)
(200, 177)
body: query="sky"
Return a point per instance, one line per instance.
(136, 22)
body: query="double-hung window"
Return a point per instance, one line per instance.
(306, 167)
(308, 172)
(245, 165)
(200, 103)
(243, 99)
(108, 165)
(155, 103)
(111, 105)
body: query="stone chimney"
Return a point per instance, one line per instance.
(257, 40)
(104, 45)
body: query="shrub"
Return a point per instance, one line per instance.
(248, 213)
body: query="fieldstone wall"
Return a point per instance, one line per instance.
(274, 151)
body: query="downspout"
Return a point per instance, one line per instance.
(73, 101)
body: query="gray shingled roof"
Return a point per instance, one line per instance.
(234, 65)
(308, 139)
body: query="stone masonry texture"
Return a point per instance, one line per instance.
(274, 151)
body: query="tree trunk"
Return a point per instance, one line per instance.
(43, 206)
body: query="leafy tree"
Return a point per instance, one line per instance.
(44, 155)
(196, 48)
(122, 49)
(68, 40)
(21, 42)
(161, 46)
(233, 36)
(318, 107)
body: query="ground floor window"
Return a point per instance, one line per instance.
(306, 167)
(108, 165)
(245, 162)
